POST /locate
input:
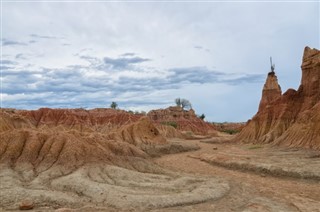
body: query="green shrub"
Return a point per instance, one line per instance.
(170, 123)
(255, 146)
(189, 133)
(113, 105)
(230, 131)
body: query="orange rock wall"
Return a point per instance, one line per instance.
(291, 119)
(44, 138)
(186, 120)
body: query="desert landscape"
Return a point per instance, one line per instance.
(169, 159)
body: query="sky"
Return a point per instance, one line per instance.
(144, 54)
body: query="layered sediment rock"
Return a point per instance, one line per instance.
(47, 137)
(291, 119)
(96, 159)
(185, 120)
(271, 90)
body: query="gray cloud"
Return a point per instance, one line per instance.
(7, 65)
(202, 48)
(44, 36)
(128, 54)
(74, 78)
(7, 42)
(121, 63)
(20, 56)
(194, 75)
(5, 68)
(7, 62)
(247, 78)
(94, 61)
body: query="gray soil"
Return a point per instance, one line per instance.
(210, 177)
(261, 178)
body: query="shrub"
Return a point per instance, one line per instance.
(114, 105)
(231, 131)
(202, 116)
(184, 103)
(255, 146)
(170, 123)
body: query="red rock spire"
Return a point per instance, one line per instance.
(271, 89)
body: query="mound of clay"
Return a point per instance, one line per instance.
(169, 131)
(100, 119)
(68, 158)
(138, 133)
(291, 119)
(47, 137)
(184, 120)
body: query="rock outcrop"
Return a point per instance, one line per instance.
(184, 120)
(95, 160)
(70, 138)
(291, 119)
(99, 119)
(139, 133)
(271, 90)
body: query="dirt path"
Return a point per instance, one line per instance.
(249, 191)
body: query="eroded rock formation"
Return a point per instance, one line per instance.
(185, 120)
(271, 90)
(97, 159)
(291, 119)
(43, 138)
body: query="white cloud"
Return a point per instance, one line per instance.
(133, 53)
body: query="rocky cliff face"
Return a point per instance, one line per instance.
(291, 119)
(185, 120)
(69, 138)
(271, 90)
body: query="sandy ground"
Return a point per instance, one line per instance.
(215, 176)
(253, 190)
(136, 184)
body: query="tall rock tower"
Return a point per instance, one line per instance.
(292, 118)
(271, 90)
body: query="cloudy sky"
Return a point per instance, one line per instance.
(145, 54)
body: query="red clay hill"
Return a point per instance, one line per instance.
(41, 139)
(293, 118)
(182, 120)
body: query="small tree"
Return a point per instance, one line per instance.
(178, 102)
(202, 116)
(184, 103)
(114, 105)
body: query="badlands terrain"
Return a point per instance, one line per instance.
(113, 160)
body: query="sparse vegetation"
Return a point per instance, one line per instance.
(202, 116)
(170, 123)
(189, 134)
(184, 103)
(114, 105)
(231, 131)
(229, 127)
(255, 146)
(178, 102)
